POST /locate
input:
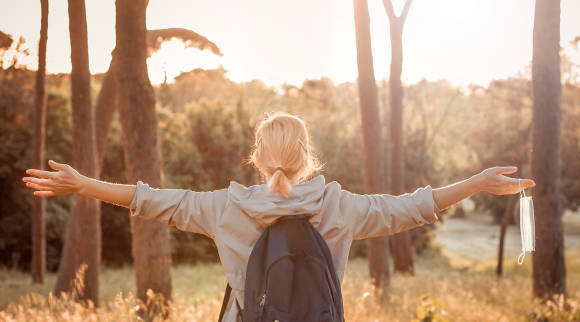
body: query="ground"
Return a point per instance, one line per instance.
(474, 241)
(454, 281)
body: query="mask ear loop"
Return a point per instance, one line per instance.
(523, 254)
(522, 257)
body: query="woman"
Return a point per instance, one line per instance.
(236, 216)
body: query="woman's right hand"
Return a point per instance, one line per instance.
(64, 180)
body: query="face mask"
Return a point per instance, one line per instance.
(527, 227)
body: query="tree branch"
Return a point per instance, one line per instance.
(388, 4)
(405, 11)
(189, 37)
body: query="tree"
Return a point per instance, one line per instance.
(107, 99)
(549, 271)
(82, 245)
(400, 243)
(106, 106)
(371, 138)
(136, 102)
(507, 216)
(38, 261)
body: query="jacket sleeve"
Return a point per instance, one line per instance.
(187, 210)
(382, 214)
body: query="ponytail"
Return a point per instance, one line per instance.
(280, 183)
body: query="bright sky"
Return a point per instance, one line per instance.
(467, 41)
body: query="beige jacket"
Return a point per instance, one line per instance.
(235, 217)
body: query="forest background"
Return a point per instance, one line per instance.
(205, 123)
(206, 129)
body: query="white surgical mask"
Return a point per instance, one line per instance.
(527, 229)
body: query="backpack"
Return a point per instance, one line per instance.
(290, 276)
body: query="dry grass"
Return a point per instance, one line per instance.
(439, 288)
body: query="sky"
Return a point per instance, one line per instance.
(463, 41)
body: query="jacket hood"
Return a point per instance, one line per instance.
(264, 206)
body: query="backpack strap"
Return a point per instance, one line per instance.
(227, 295)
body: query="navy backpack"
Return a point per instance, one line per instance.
(290, 276)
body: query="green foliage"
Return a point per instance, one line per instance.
(203, 148)
(115, 225)
(505, 137)
(430, 310)
(15, 208)
(15, 158)
(570, 146)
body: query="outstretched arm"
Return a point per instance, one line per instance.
(383, 214)
(490, 180)
(65, 180)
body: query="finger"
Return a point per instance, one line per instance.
(506, 170)
(40, 173)
(56, 166)
(44, 193)
(38, 186)
(38, 180)
(527, 183)
(520, 184)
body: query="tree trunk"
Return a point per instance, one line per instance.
(386, 129)
(459, 212)
(38, 262)
(136, 102)
(549, 271)
(372, 143)
(507, 218)
(400, 243)
(105, 109)
(82, 244)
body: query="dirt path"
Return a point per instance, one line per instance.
(477, 241)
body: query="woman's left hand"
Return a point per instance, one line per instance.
(493, 181)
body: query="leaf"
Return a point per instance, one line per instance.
(421, 312)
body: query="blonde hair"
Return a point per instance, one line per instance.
(282, 151)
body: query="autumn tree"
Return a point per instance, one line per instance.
(82, 244)
(400, 243)
(549, 270)
(371, 136)
(38, 261)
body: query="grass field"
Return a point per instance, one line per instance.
(446, 287)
